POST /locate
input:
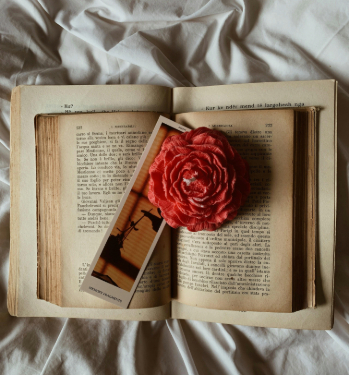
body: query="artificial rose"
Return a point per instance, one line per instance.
(198, 180)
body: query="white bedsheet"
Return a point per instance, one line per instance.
(173, 43)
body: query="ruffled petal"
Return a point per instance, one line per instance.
(198, 180)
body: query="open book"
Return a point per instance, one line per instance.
(96, 155)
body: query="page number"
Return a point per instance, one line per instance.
(79, 127)
(268, 125)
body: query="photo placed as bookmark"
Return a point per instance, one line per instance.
(134, 230)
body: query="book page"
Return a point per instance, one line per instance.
(98, 155)
(322, 94)
(247, 263)
(34, 100)
(132, 234)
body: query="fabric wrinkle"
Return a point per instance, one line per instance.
(172, 43)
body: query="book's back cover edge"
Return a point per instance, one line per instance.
(335, 197)
(324, 319)
(246, 318)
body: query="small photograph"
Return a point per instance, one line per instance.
(135, 229)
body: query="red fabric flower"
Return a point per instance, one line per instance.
(198, 180)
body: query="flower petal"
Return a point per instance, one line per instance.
(198, 180)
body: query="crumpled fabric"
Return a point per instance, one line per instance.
(173, 43)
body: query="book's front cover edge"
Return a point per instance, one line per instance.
(140, 315)
(12, 292)
(33, 99)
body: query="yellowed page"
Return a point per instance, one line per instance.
(48, 209)
(247, 263)
(321, 94)
(98, 155)
(64, 99)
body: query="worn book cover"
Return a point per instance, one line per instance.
(191, 298)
